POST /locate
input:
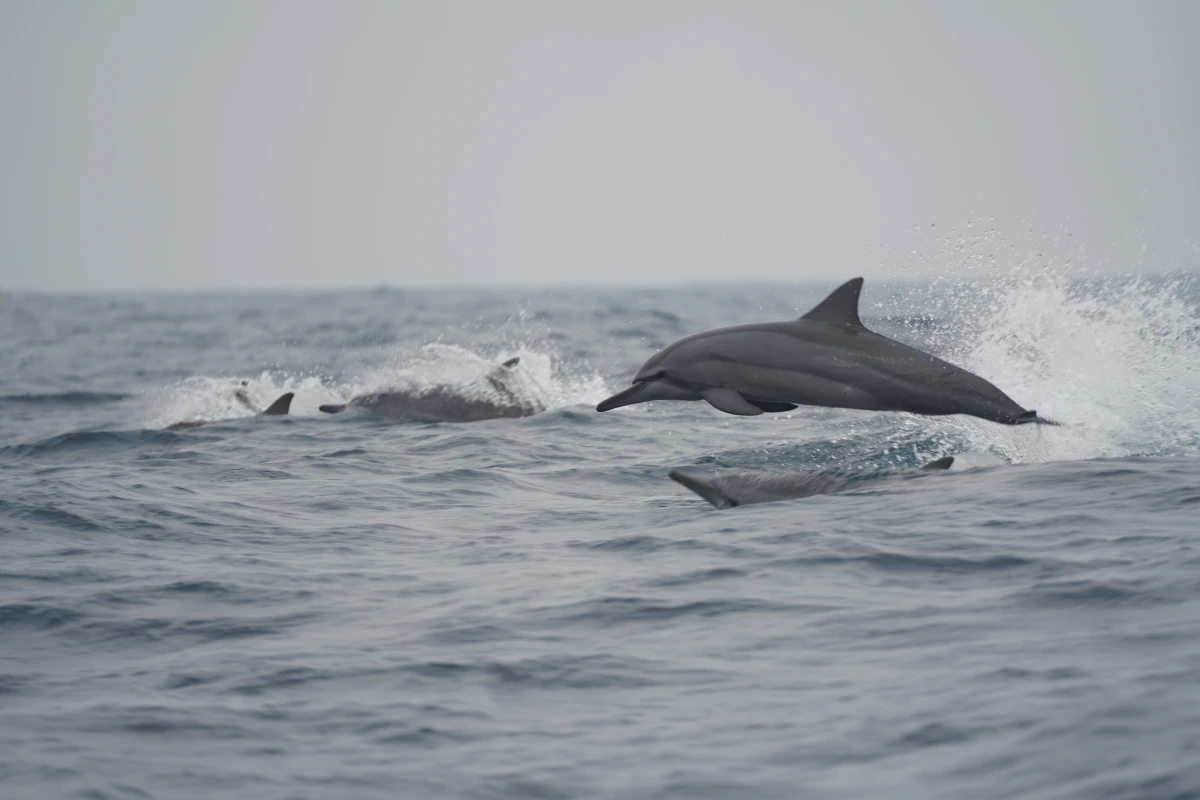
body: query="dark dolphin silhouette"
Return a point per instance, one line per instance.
(279, 408)
(825, 358)
(732, 489)
(448, 403)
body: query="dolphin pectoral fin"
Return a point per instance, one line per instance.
(941, 463)
(334, 408)
(280, 407)
(705, 488)
(730, 401)
(771, 407)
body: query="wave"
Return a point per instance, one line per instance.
(71, 445)
(65, 398)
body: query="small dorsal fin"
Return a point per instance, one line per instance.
(841, 307)
(941, 463)
(512, 362)
(280, 407)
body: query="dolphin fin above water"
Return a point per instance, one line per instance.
(281, 406)
(826, 358)
(840, 307)
(733, 489)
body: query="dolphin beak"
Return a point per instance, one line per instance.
(626, 398)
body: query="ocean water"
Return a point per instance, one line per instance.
(333, 607)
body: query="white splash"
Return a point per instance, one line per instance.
(211, 399)
(539, 377)
(1118, 363)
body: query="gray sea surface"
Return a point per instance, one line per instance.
(318, 606)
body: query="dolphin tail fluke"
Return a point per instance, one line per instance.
(772, 407)
(334, 408)
(281, 406)
(705, 488)
(941, 463)
(1031, 417)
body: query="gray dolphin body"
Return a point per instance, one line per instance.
(447, 403)
(825, 358)
(279, 408)
(732, 489)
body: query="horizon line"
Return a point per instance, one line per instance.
(524, 286)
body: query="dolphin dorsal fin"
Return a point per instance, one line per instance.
(941, 463)
(281, 406)
(841, 307)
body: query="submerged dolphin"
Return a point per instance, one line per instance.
(732, 489)
(279, 408)
(825, 358)
(448, 403)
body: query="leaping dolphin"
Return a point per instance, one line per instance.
(825, 358)
(449, 403)
(732, 489)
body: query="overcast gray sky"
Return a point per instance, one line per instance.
(172, 145)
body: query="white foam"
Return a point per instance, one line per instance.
(541, 378)
(205, 398)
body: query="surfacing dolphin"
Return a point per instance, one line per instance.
(449, 403)
(825, 358)
(279, 408)
(732, 489)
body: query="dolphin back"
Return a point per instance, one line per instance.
(733, 489)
